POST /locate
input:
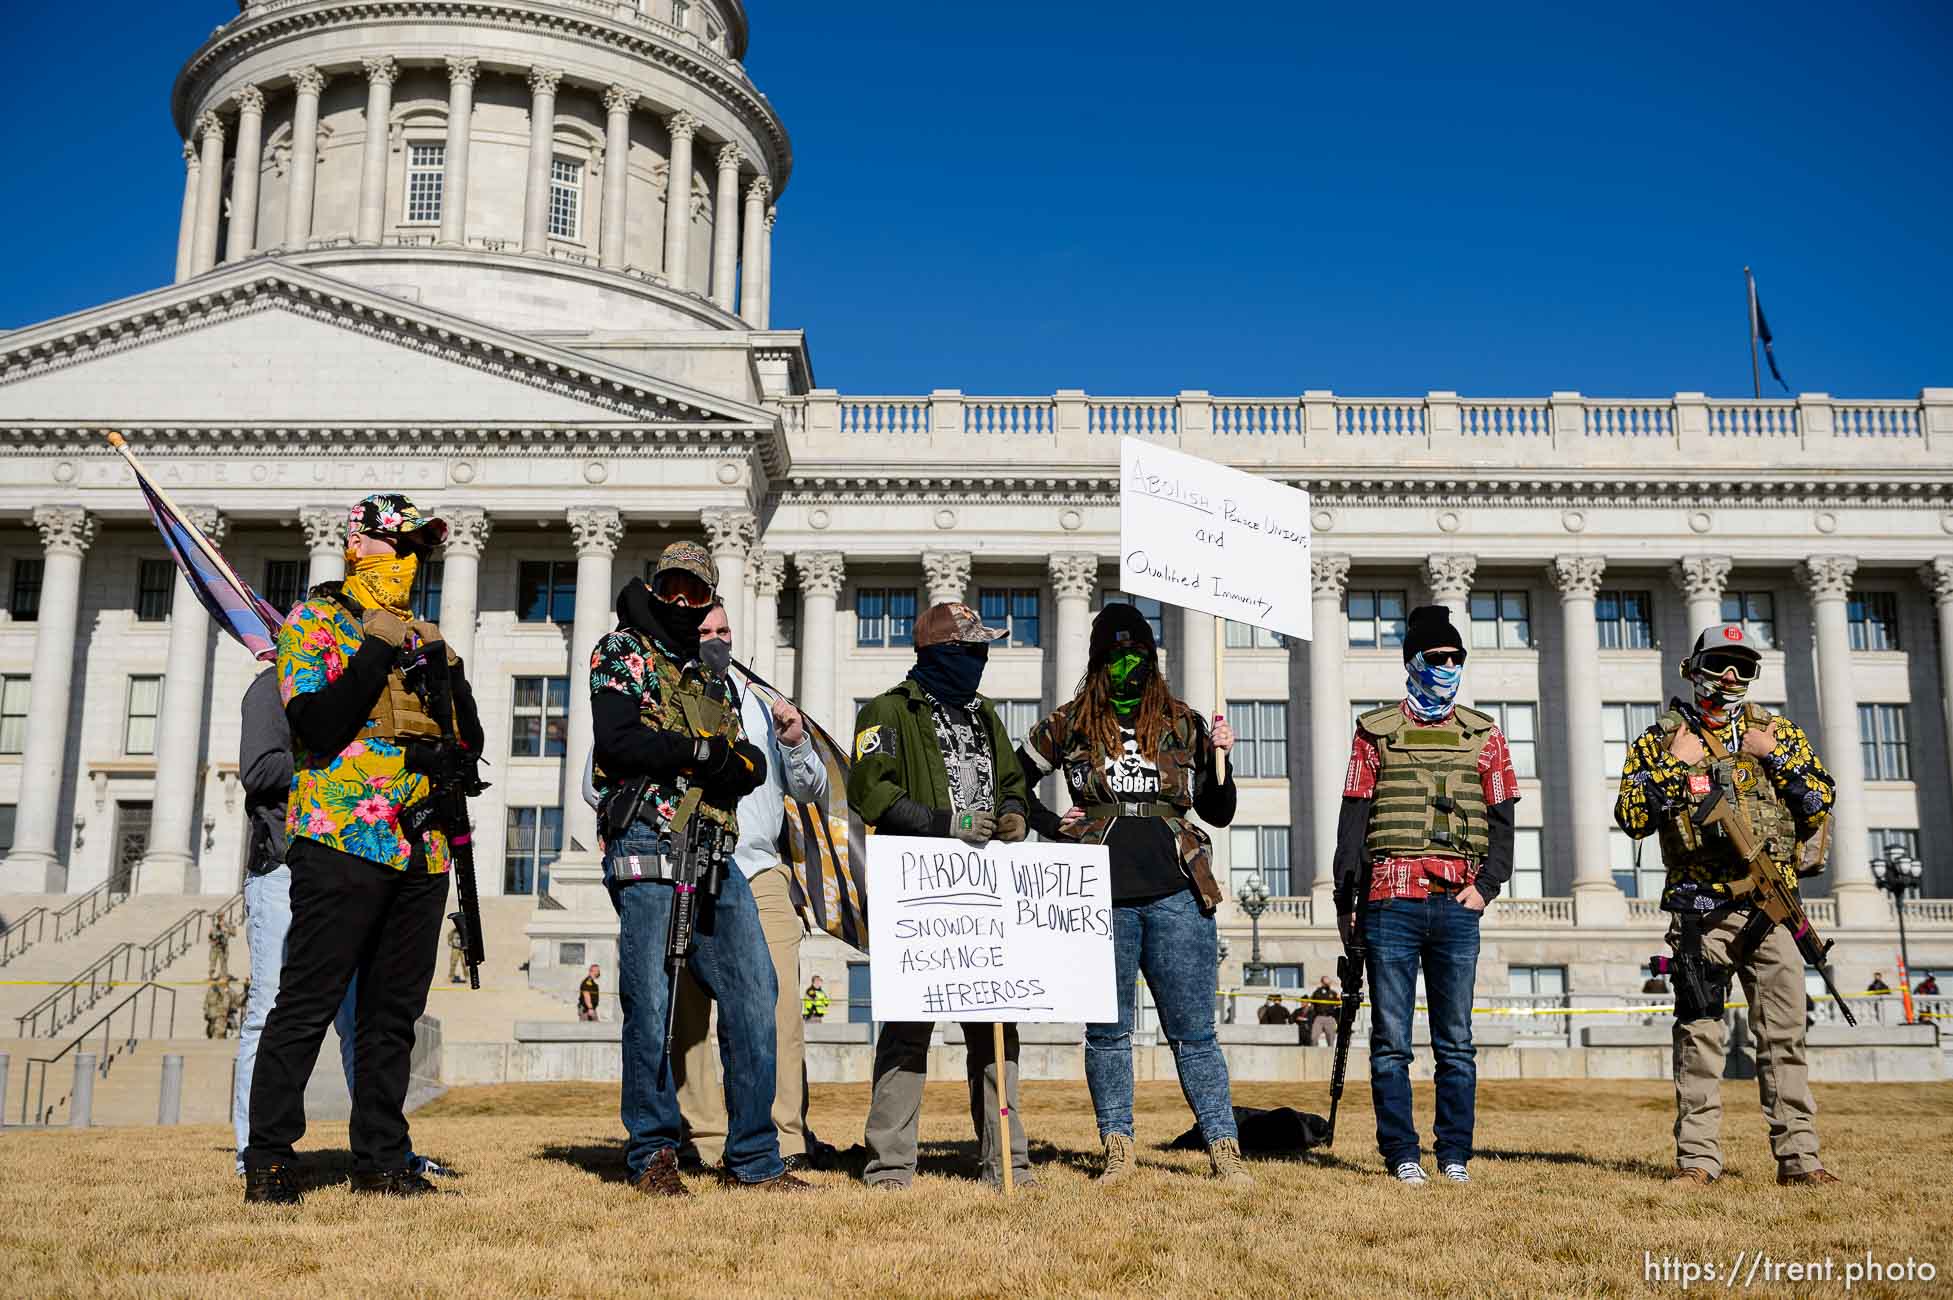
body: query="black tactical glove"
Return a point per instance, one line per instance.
(710, 754)
(743, 773)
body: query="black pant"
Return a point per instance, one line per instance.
(349, 916)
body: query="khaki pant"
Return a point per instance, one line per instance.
(220, 961)
(1773, 984)
(695, 1060)
(901, 1066)
(456, 964)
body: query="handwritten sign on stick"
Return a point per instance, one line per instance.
(1214, 539)
(1005, 932)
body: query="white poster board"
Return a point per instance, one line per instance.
(1215, 539)
(1017, 932)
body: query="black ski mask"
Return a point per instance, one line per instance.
(951, 672)
(675, 625)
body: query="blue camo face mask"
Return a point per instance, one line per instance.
(1431, 690)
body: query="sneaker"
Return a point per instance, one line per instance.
(1455, 1172)
(1229, 1167)
(660, 1177)
(391, 1182)
(1412, 1174)
(1817, 1177)
(272, 1185)
(429, 1167)
(797, 1163)
(1119, 1163)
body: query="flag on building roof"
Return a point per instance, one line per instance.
(249, 618)
(1760, 332)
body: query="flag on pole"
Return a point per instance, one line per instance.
(249, 618)
(826, 846)
(1760, 332)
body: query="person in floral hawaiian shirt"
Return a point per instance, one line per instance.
(367, 898)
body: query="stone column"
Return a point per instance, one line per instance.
(1938, 577)
(678, 201)
(618, 103)
(752, 290)
(821, 576)
(325, 543)
(769, 575)
(210, 195)
(725, 226)
(1197, 664)
(1329, 729)
(766, 271)
(33, 866)
(1828, 580)
(1074, 575)
(1449, 578)
(468, 530)
(308, 83)
(380, 75)
(244, 176)
(1701, 579)
(169, 866)
(729, 536)
(1597, 900)
(598, 532)
(542, 151)
(186, 230)
(947, 575)
(454, 174)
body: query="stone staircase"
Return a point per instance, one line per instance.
(47, 964)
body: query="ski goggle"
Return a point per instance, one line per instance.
(1721, 663)
(681, 587)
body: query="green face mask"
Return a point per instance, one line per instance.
(1128, 674)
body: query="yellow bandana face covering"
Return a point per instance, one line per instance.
(383, 580)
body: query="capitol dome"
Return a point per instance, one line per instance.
(513, 162)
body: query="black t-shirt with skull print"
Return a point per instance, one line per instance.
(1145, 859)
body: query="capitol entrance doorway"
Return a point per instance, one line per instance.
(131, 843)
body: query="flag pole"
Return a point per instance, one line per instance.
(1756, 379)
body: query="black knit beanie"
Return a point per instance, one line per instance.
(1118, 628)
(1430, 625)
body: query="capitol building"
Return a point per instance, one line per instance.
(516, 260)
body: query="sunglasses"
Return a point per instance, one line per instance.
(682, 588)
(1444, 658)
(1717, 665)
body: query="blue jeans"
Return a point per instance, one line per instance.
(1441, 934)
(1173, 943)
(730, 961)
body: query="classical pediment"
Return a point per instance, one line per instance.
(268, 345)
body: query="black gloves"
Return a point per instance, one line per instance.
(728, 772)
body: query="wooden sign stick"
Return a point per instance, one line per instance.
(1006, 1155)
(1220, 690)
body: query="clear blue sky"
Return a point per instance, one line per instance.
(1253, 199)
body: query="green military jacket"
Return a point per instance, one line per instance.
(896, 754)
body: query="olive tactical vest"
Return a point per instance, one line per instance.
(1430, 799)
(1710, 857)
(679, 703)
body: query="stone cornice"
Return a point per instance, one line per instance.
(247, 35)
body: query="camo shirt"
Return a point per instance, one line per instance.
(646, 671)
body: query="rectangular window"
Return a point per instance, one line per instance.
(861, 1011)
(426, 596)
(145, 701)
(1357, 708)
(1146, 605)
(426, 168)
(681, 12)
(539, 722)
(1014, 608)
(1246, 636)
(535, 839)
(1882, 733)
(1019, 717)
(884, 616)
(1261, 738)
(1501, 620)
(1636, 864)
(1259, 851)
(786, 629)
(6, 826)
(565, 198)
(155, 590)
(1520, 723)
(545, 591)
(1626, 620)
(1537, 981)
(1620, 726)
(1277, 975)
(1528, 873)
(1874, 619)
(13, 712)
(1376, 619)
(1756, 611)
(24, 596)
(284, 583)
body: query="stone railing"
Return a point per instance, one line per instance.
(1440, 428)
(1530, 911)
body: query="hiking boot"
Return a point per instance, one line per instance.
(392, 1182)
(1817, 1177)
(1229, 1167)
(272, 1185)
(1021, 1180)
(1691, 1176)
(660, 1177)
(1119, 1163)
(780, 1182)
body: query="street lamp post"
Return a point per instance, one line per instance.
(1896, 873)
(1253, 898)
(1221, 951)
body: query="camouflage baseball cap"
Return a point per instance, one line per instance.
(386, 514)
(688, 557)
(944, 624)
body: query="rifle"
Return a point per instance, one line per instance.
(697, 864)
(1349, 969)
(1773, 894)
(455, 774)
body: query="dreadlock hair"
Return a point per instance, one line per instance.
(1157, 714)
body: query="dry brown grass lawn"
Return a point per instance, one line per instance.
(1567, 1196)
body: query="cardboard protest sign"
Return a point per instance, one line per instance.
(1017, 932)
(1198, 534)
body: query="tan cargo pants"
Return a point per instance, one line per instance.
(695, 1061)
(1773, 984)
